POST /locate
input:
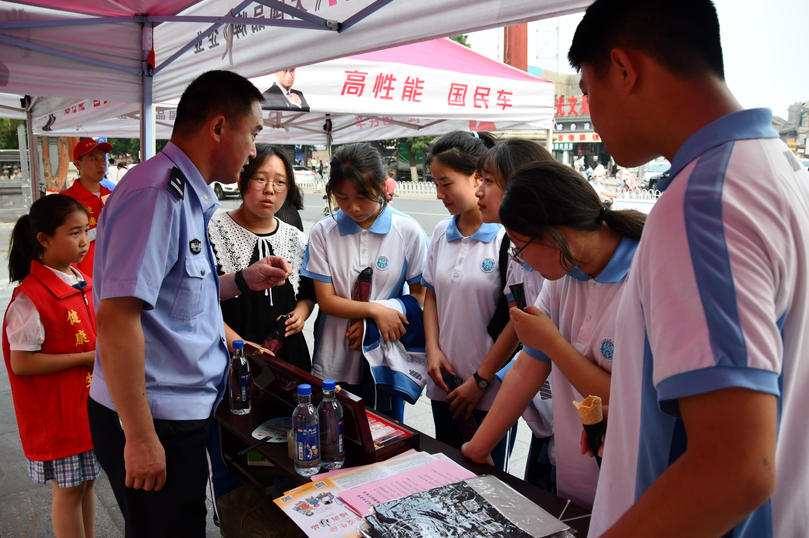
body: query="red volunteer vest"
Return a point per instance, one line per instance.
(51, 409)
(94, 205)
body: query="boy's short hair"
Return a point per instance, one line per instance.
(211, 94)
(681, 35)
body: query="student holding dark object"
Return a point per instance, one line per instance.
(464, 288)
(496, 167)
(559, 227)
(251, 232)
(365, 233)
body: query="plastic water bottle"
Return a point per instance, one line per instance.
(330, 416)
(307, 438)
(239, 380)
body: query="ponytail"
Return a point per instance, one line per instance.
(627, 222)
(22, 249)
(45, 216)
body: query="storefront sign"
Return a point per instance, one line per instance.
(562, 146)
(577, 137)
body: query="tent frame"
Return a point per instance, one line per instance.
(305, 20)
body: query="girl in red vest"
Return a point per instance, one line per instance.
(49, 337)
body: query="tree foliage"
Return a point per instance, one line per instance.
(462, 39)
(8, 133)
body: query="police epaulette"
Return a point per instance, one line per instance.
(177, 182)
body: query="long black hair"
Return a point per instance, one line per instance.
(45, 216)
(510, 155)
(263, 153)
(545, 195)
(360, 165)
(460, 150)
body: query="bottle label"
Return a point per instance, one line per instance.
(244, 386)
(307, 443)
(340, 435)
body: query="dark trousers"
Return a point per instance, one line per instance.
(448, 432)
(538, 469)
(374, 397)
(178, 509)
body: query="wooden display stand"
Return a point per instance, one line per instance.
(275, 385)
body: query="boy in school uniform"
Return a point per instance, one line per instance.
(711, 361)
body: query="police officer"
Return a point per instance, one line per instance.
(161, 359)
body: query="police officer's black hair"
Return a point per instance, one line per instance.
(543, 196)
(460, 150)
(211, 94)
(360, 165)
(264, 152)
(509, 156)
(683, 36)
(45, 216)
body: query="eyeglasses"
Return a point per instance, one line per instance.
(516, 253)
(278, 185)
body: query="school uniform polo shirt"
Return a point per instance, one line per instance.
(585, 312)
(718, 297)
(152, 244)
(394, 246)
(464, 274)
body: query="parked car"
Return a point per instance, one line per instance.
(656, 171)
(223, 190)
(302, 173)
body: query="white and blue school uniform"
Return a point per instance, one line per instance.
(718, 297)
(395, 246)
(584, 310)
(464, 274)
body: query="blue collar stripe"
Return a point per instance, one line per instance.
(380, 226)
(485, 234)
(742, 125)
(616, 268)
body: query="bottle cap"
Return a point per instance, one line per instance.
(304, 390)
(238, 344)
(329, 384)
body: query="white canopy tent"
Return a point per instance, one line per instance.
(419, 89)
(145, 51)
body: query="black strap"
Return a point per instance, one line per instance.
(500, 317)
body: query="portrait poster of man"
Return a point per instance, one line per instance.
(281, 96)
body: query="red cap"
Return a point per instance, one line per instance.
(86, 145)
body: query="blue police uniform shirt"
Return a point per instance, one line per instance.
(152, 244)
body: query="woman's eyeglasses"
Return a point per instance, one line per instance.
(516, 253)
(278, 185)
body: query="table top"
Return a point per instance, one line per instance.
(242, 426)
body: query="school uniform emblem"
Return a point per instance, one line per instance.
(382, 263)
(195, 245)
(607, 348)
(487, 266)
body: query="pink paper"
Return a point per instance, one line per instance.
(344, 470)
(431, 475)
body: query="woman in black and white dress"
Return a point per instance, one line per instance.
(251, 232)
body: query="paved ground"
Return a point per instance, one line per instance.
(25, 506)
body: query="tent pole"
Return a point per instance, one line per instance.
(147, 118)
(33, 150)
